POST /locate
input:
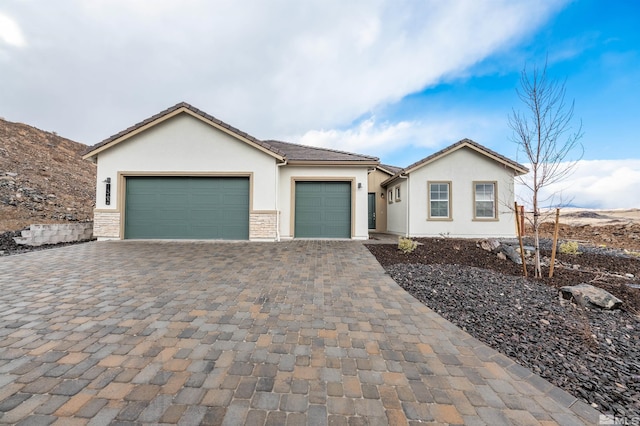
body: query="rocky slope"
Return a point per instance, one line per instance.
(43, 178)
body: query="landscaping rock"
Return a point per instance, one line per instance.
(491, 245)
(511, 253)
(588, 295)
(591, 353)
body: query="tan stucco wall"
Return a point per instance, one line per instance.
(374, 179)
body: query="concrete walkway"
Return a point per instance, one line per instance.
(304, 332)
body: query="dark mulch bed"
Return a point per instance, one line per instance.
(592, 354)
(465, 252)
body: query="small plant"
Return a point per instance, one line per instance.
(632, 253)
(407, 245)
(569, 247)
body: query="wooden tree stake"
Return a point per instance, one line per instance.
(555, 243)
(524, 263)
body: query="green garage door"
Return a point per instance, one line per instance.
(323, 210)
(187, 207)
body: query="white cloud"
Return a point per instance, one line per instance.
(270, 68)
(10, 32)
(383, 137)
(597, 184)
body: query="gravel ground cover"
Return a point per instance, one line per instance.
(591, 353)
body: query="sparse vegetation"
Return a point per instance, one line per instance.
(569, 247)
(544, 135)
(407, 245)
(43, 178)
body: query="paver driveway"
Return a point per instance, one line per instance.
(304, 332)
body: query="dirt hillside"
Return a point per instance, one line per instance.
(608, 228)
(43, 178)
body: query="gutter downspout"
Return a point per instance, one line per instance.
(406, 235)
(278, 199)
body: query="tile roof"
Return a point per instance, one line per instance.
(389, 168)
(468, 142)
(193, 110)
(297, 152)
(290, 151)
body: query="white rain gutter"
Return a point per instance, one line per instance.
(277, 198)
(408, 197)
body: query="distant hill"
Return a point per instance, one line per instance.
(43, 178)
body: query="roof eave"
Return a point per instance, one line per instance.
(394, 178)
(362, 163)
(512, 165)
(171, 114)
(385, 170)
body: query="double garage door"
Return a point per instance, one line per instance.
(218, 208)
(187, 208)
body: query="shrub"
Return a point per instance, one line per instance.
(569, 247)
(407, 245)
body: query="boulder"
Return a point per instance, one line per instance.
(491, 245)
(588, 295)
(511, 253)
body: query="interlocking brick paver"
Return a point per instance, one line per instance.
(173, 414)
(23, 409)
(73, 405)
(213, 333)
(142, 393)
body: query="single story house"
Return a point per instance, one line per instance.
(184, 174)
(465, 190)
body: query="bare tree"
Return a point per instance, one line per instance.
(544, 135)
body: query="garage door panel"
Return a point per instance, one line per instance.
(323, 209)
(336, 203)
(232, 184)
(187, 207)
(234, 200)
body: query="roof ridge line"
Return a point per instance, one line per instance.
(322, 149)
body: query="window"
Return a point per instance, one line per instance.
(390, 196)
(397, 193)
(439, 200)
(485, 200)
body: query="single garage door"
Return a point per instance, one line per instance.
(187, 207)
(323, 210)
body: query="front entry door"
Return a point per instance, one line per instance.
(372, 210)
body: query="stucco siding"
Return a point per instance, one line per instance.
(286, 193)
(397, 209)
(462, 168)
(374, 179)
(186, 145)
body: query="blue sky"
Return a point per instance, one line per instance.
(395, 79)
(594, 46)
